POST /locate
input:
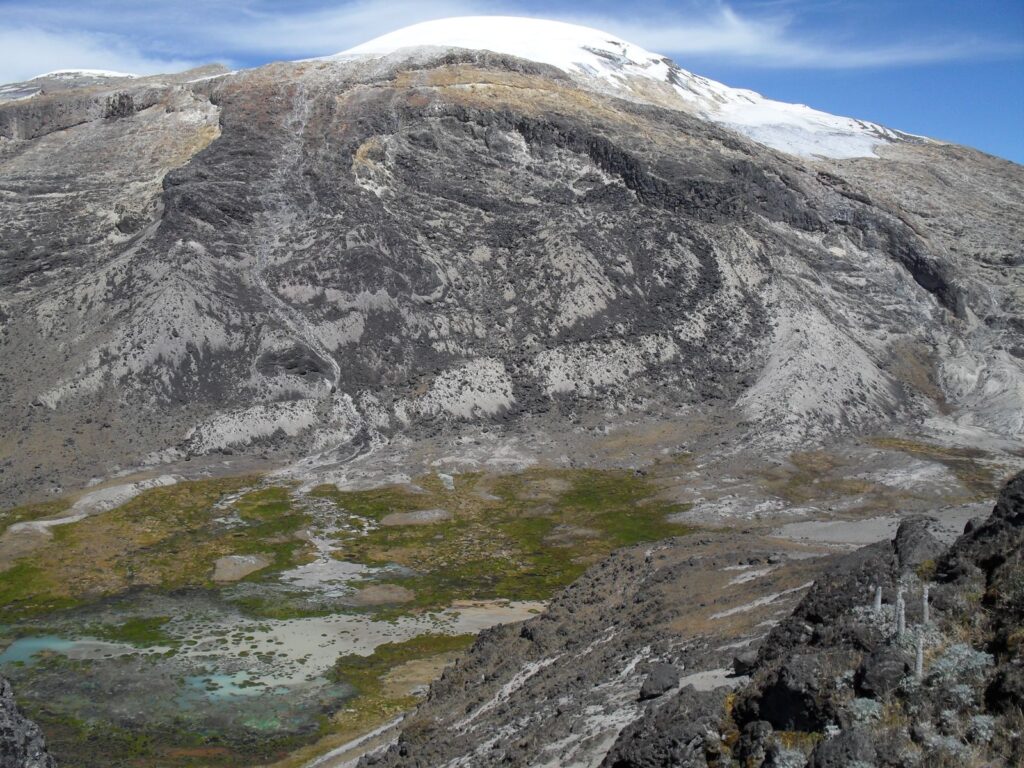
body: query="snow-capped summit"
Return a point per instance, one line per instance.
(590, 53)
(567, 46)
(70, 73)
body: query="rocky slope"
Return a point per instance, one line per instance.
(623, 669)
(325, 255)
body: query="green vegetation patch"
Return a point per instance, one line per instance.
(165, 538)
(82, 743)
(28, 512)
(375, 703)
(808, 478)
(519, 537)
(510, 537)
(365, 673)
(140, 631)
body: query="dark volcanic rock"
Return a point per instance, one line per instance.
(1006, 692)
(681, 733)
(744, 663)
(848, 582)
(952, 709)
(661, 679)
(882, 670)
(915, 543)
(849, 748)
(755, 742)
(21, 742)
(796, 696)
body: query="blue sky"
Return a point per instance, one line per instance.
(947, 69)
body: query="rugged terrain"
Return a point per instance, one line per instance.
(622, 665)
(323, 255)
(315, 370)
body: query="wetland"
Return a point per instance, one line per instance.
(241, 620)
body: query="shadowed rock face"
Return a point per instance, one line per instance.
(291, 258)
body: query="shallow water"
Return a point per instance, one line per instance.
(22, 650)
(25, 650)
(224, 686)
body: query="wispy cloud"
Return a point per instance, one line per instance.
(28, 51)
(143, 38)
(329, 30)
(771, 41)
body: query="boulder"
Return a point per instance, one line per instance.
(1006, 690)
(848, 748)
(882, 670)
(792, 698)
(745, 662)
(661, 679)
(1010, 506)
(21, 742)
(752, 747)
(682, 733)
(915, 543)
(974, 524)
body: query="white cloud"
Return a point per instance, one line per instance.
(29, 52)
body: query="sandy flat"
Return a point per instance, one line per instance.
(235, 567)
(419, 517)
(305, 648)
(382, 594)
(855, 533)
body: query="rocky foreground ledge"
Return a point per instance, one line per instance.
(21, 742)
(930, 674)
(902, 653)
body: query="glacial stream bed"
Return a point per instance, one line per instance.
(235, 621)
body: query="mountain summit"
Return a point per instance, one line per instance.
(642, 75)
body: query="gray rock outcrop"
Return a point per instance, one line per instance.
(21, 742)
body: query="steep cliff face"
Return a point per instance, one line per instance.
(490, 244)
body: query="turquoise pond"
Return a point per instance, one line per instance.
(22, 650)
(221, 686)
(25, 652)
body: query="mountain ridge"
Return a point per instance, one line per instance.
(220, 264)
